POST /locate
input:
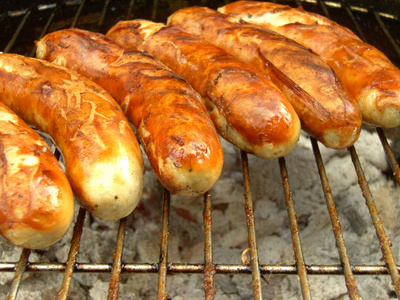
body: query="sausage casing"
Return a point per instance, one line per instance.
(171, 119)
(37, 203)
(365, 72)
(101, 153)
(247, 109)
(326, 111)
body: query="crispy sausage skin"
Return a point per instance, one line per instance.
(326, 111)
(365, 72)
(101, 153)
(247, 109)
(172, 123)
(37, 203)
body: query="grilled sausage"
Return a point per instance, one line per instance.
(247, 109)
(171, 120)
(102, 156)
(37, 203)
(365, 72)
(325, 110)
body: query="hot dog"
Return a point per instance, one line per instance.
(37, 203)
(365, 72)
(102, 156)
(171, 119)
(247, 109)
(326, 111)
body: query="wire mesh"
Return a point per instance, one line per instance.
(210, 268)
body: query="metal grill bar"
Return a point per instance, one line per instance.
(17, 32)
(298, 2)
(19, 273)
(251, 229)
(294, 228)
(384, 240)
(163, 267)
(221, 269)
(73, 253)
(389, 37)
(337, 229)
(78, 14)
(45, 28)
(113, 288)
(353, 18)
(324, 8)
(103, 12)
(129, 14)
(209, 267)
(154, 11)
(78, 228)
(390, 155)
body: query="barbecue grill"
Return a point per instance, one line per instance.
(376, 22)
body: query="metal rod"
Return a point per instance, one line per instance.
(251, 229)
(113, 288)
(103, 13)
(17, 32)
(389, 154)
(294, 229)
(387, 33)
(337, 229)
(78, 14)
(324, 8)
(209, 267)
(222, 269)
(78, 228)
(130, 9)
(19, 273)
(353, 18)
(154, 12)
(44, 31)
(298, 3)
(384, 240)
(73, 252)
(163, 266)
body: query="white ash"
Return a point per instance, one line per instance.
(142, 241)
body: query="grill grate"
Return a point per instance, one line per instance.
(99, 16)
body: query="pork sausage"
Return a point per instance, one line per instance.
(246, 107)
(37, 203)
(365, 72)
(325, 110)
(101, 153)
(170, 117)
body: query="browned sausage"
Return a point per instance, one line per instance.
(171, 120)
(365, 72)
(37, 204)
(246, 107)
(326, 111)
(102, 156)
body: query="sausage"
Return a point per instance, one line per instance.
(246, 107)
(172, 123)
(102, 156)
(325, 110)
(365, 72)
(37, 203)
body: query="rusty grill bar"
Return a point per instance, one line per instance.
(294, 228)
(210, 268)
(163, 266)
(73, 253)
(380, 230)
(117, 265)
(337, 230)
